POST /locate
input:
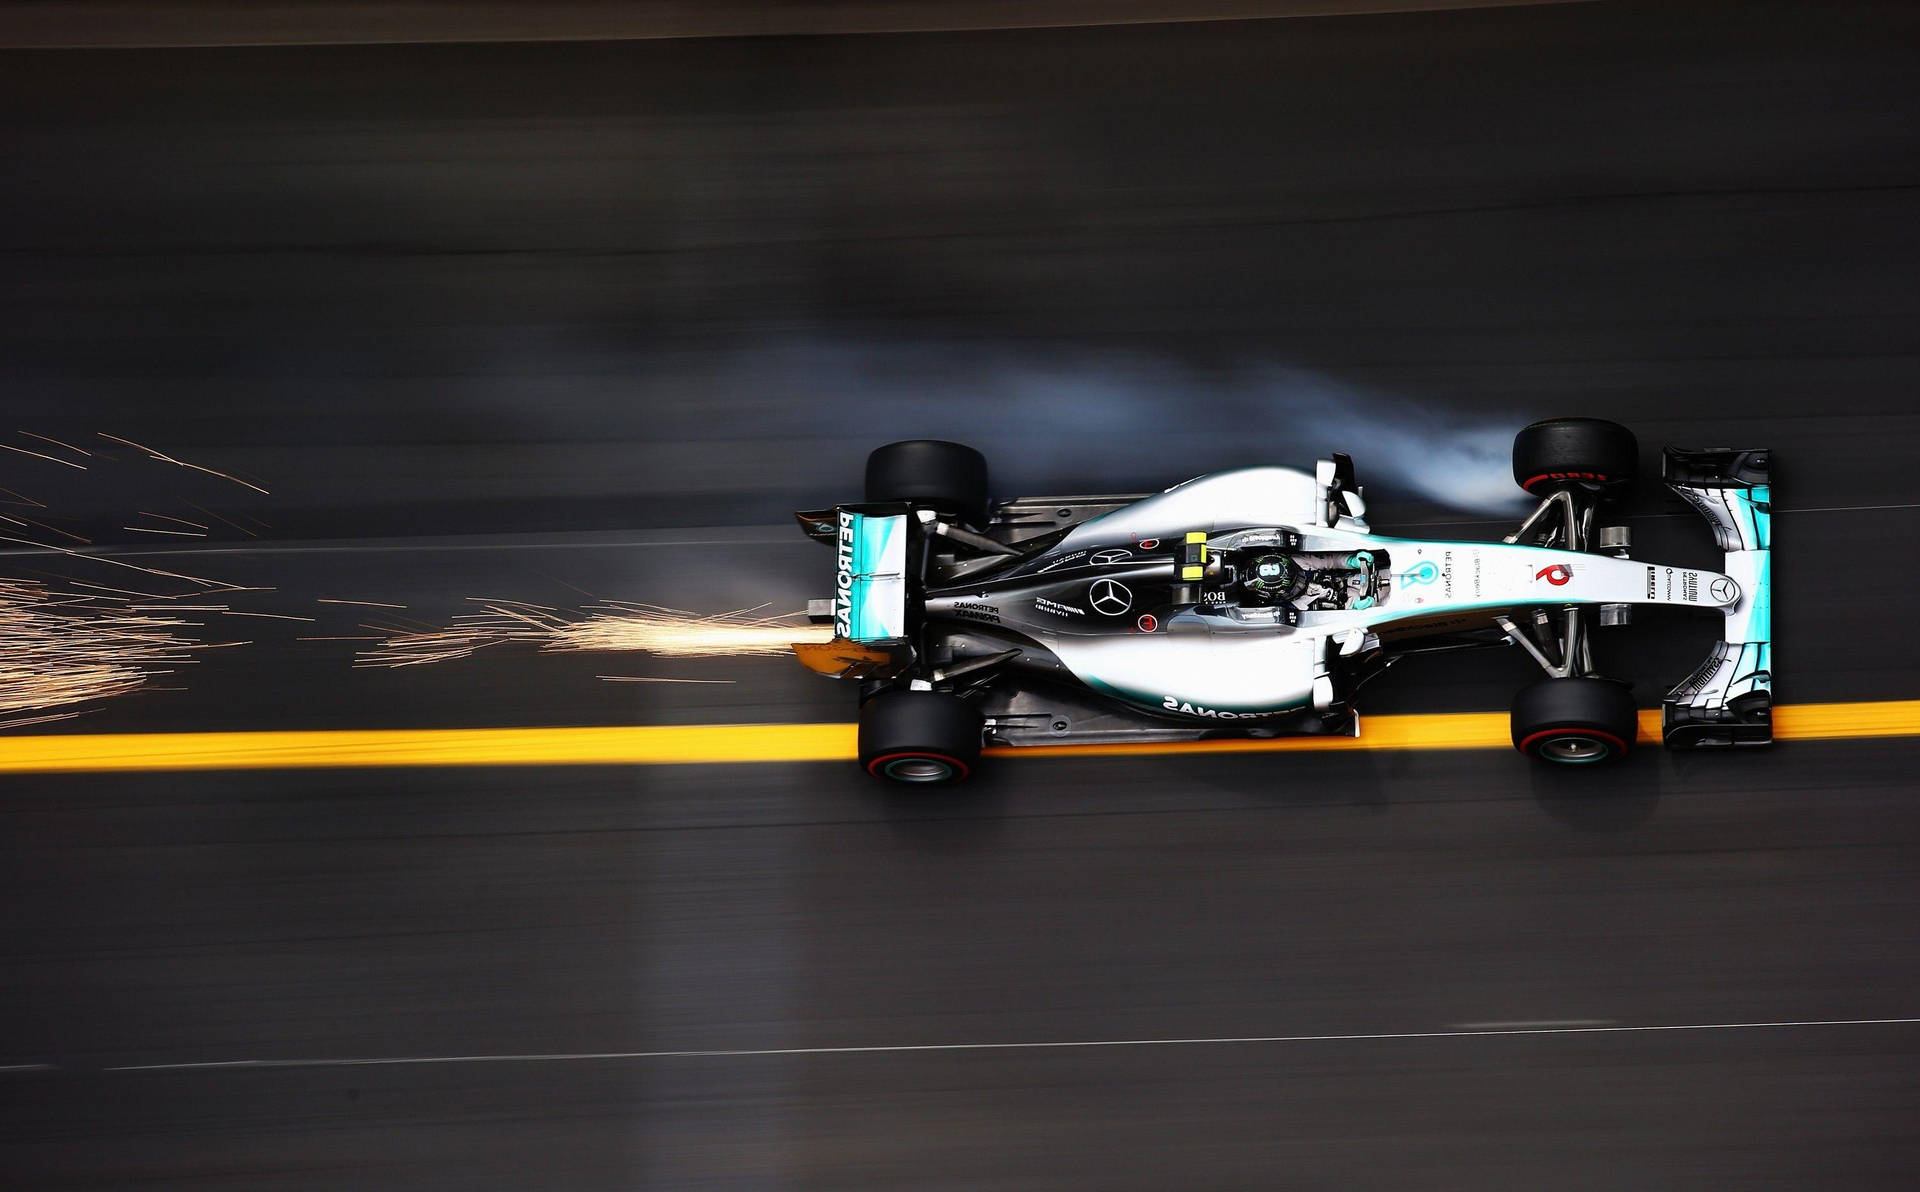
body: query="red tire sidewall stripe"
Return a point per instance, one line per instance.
(1618, 745)
(873, 767)
(1527, 484)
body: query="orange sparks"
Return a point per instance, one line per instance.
(227, 520)
(50, 459)
(58, 443)
(669, 633)
(40, 525)
(176, 533)
(58, 649)
(192, 579)
(611, 626)
(179, 521)
(164, 458)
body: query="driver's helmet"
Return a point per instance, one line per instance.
(1269, 575)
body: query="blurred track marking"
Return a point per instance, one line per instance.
(604, 746)
(153, 24)
(733, 744)
(1045, 1045)
(1520, 1023)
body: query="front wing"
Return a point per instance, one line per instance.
(1728, 700)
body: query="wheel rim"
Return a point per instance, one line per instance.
(918, 769)
(1574, 750)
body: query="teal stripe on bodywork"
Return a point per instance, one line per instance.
(1756, 507)
(870, 538)
(1757, 504)
(1760, 612)
(877, 595)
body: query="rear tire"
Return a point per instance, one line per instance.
(1573, 722)
(948, 477)
(920, 737)
(1562, 452)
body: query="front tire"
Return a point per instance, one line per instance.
(948, 477)
(919, 737)
(1575, 721)
(1566, 452)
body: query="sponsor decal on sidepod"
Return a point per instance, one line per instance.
(1174, 703)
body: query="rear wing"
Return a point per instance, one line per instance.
(1728, 700)
(869, 601)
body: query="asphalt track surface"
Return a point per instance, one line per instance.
(529, 321)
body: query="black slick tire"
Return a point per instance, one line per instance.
(919, 737)
(948, 477)
(1575, 721)
(1561, 452)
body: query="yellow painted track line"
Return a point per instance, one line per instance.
(1490, 730)
(715, 744)
(617, 746)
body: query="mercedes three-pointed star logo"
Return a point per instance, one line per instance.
(1109, 597)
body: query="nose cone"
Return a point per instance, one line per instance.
(1723, 591)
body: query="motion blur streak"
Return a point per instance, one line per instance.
(723, 744)
(1034, 1045)
(160, 23)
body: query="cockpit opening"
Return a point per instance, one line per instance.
(1306, 581)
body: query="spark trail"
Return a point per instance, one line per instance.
(610, 626)
(60, 649)
(66, 640)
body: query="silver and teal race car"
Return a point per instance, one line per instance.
(1258, 602)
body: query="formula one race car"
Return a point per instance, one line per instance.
(1257, 602)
